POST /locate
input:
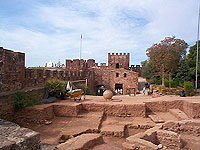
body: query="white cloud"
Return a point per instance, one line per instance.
(52, 31)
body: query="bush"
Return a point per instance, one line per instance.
(20, 99)
(188, 88)
(155, 80)
(82, 86)
(169, 91)
(23, 99)
(55, 87)
(174, 83)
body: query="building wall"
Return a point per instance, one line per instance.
(14, 75)
(136, 68)
(121, 59)
(107, 77)
(12, 70)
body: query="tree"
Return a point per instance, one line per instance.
(183, 71)
(148, 71)
(191, 61)
(166, 55)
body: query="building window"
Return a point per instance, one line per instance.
(125, 75)
(117, 65)
(117, 74)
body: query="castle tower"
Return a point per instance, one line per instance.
(116, 61)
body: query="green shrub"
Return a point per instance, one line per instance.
(155, 80)
(188, 88)
(23, 99)
(55, 87)
(82, 86)
(20, 99)
(174, 83)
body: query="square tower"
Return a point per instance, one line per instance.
(116, 61)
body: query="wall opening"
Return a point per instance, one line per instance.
(117, 74)
(99, 90)
(117, 65)
(125, 75)
(119, 88)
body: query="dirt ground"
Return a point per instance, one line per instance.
(62, 128)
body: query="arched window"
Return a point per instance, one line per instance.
(125, 75)
(117, 65)
(117, 74)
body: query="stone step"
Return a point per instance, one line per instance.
(84, 141)
(156, 119)
(113, 130)
(64, 110)
(179, 114)
(12, 136)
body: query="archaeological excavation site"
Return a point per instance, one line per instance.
(124, 122)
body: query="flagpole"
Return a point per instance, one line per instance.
(80, 46)
(196, 82)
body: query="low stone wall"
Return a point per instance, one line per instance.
(7, 101)
(192, 109)
(184, 126)
(163, 106)
(117, 110)
(13, 137)
(67, 110)
(33, 115)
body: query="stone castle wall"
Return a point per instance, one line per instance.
(14, 75)
(108, 78)
(121, 60)
(12, 70)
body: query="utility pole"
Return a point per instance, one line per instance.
(196, 82)
(81, 45)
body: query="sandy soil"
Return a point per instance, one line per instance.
(73, 126)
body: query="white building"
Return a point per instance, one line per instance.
(50, 64)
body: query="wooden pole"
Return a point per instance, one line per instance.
(196, 82)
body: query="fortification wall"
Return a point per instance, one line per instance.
(118, 60)
(14, 75)
(108, 78)
(12, 70)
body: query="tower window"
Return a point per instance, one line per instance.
(117, 65)
(125, 75)
(117, 74)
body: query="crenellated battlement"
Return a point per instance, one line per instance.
(118, 54)
(118, 60)
(77, 64)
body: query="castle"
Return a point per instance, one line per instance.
(117, 76)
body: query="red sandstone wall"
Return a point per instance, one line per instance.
(107, 77)
(121, 59)
(7, 102)
(14, 76)
(12, 70)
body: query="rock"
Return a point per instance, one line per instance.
(12, 136)
(84, 141)
(108, 95)
(160, 146)
(46, 122)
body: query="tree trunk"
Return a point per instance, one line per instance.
(170, 80)
(163, 78)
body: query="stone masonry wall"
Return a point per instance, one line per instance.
(108, 78)
(12, 70)
(14, 75)
(121, 59)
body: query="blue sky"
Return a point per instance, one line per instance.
(50, 29)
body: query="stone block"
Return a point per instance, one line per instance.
(14, 137)
(84, 141)
(179, 114)
(67, 110)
